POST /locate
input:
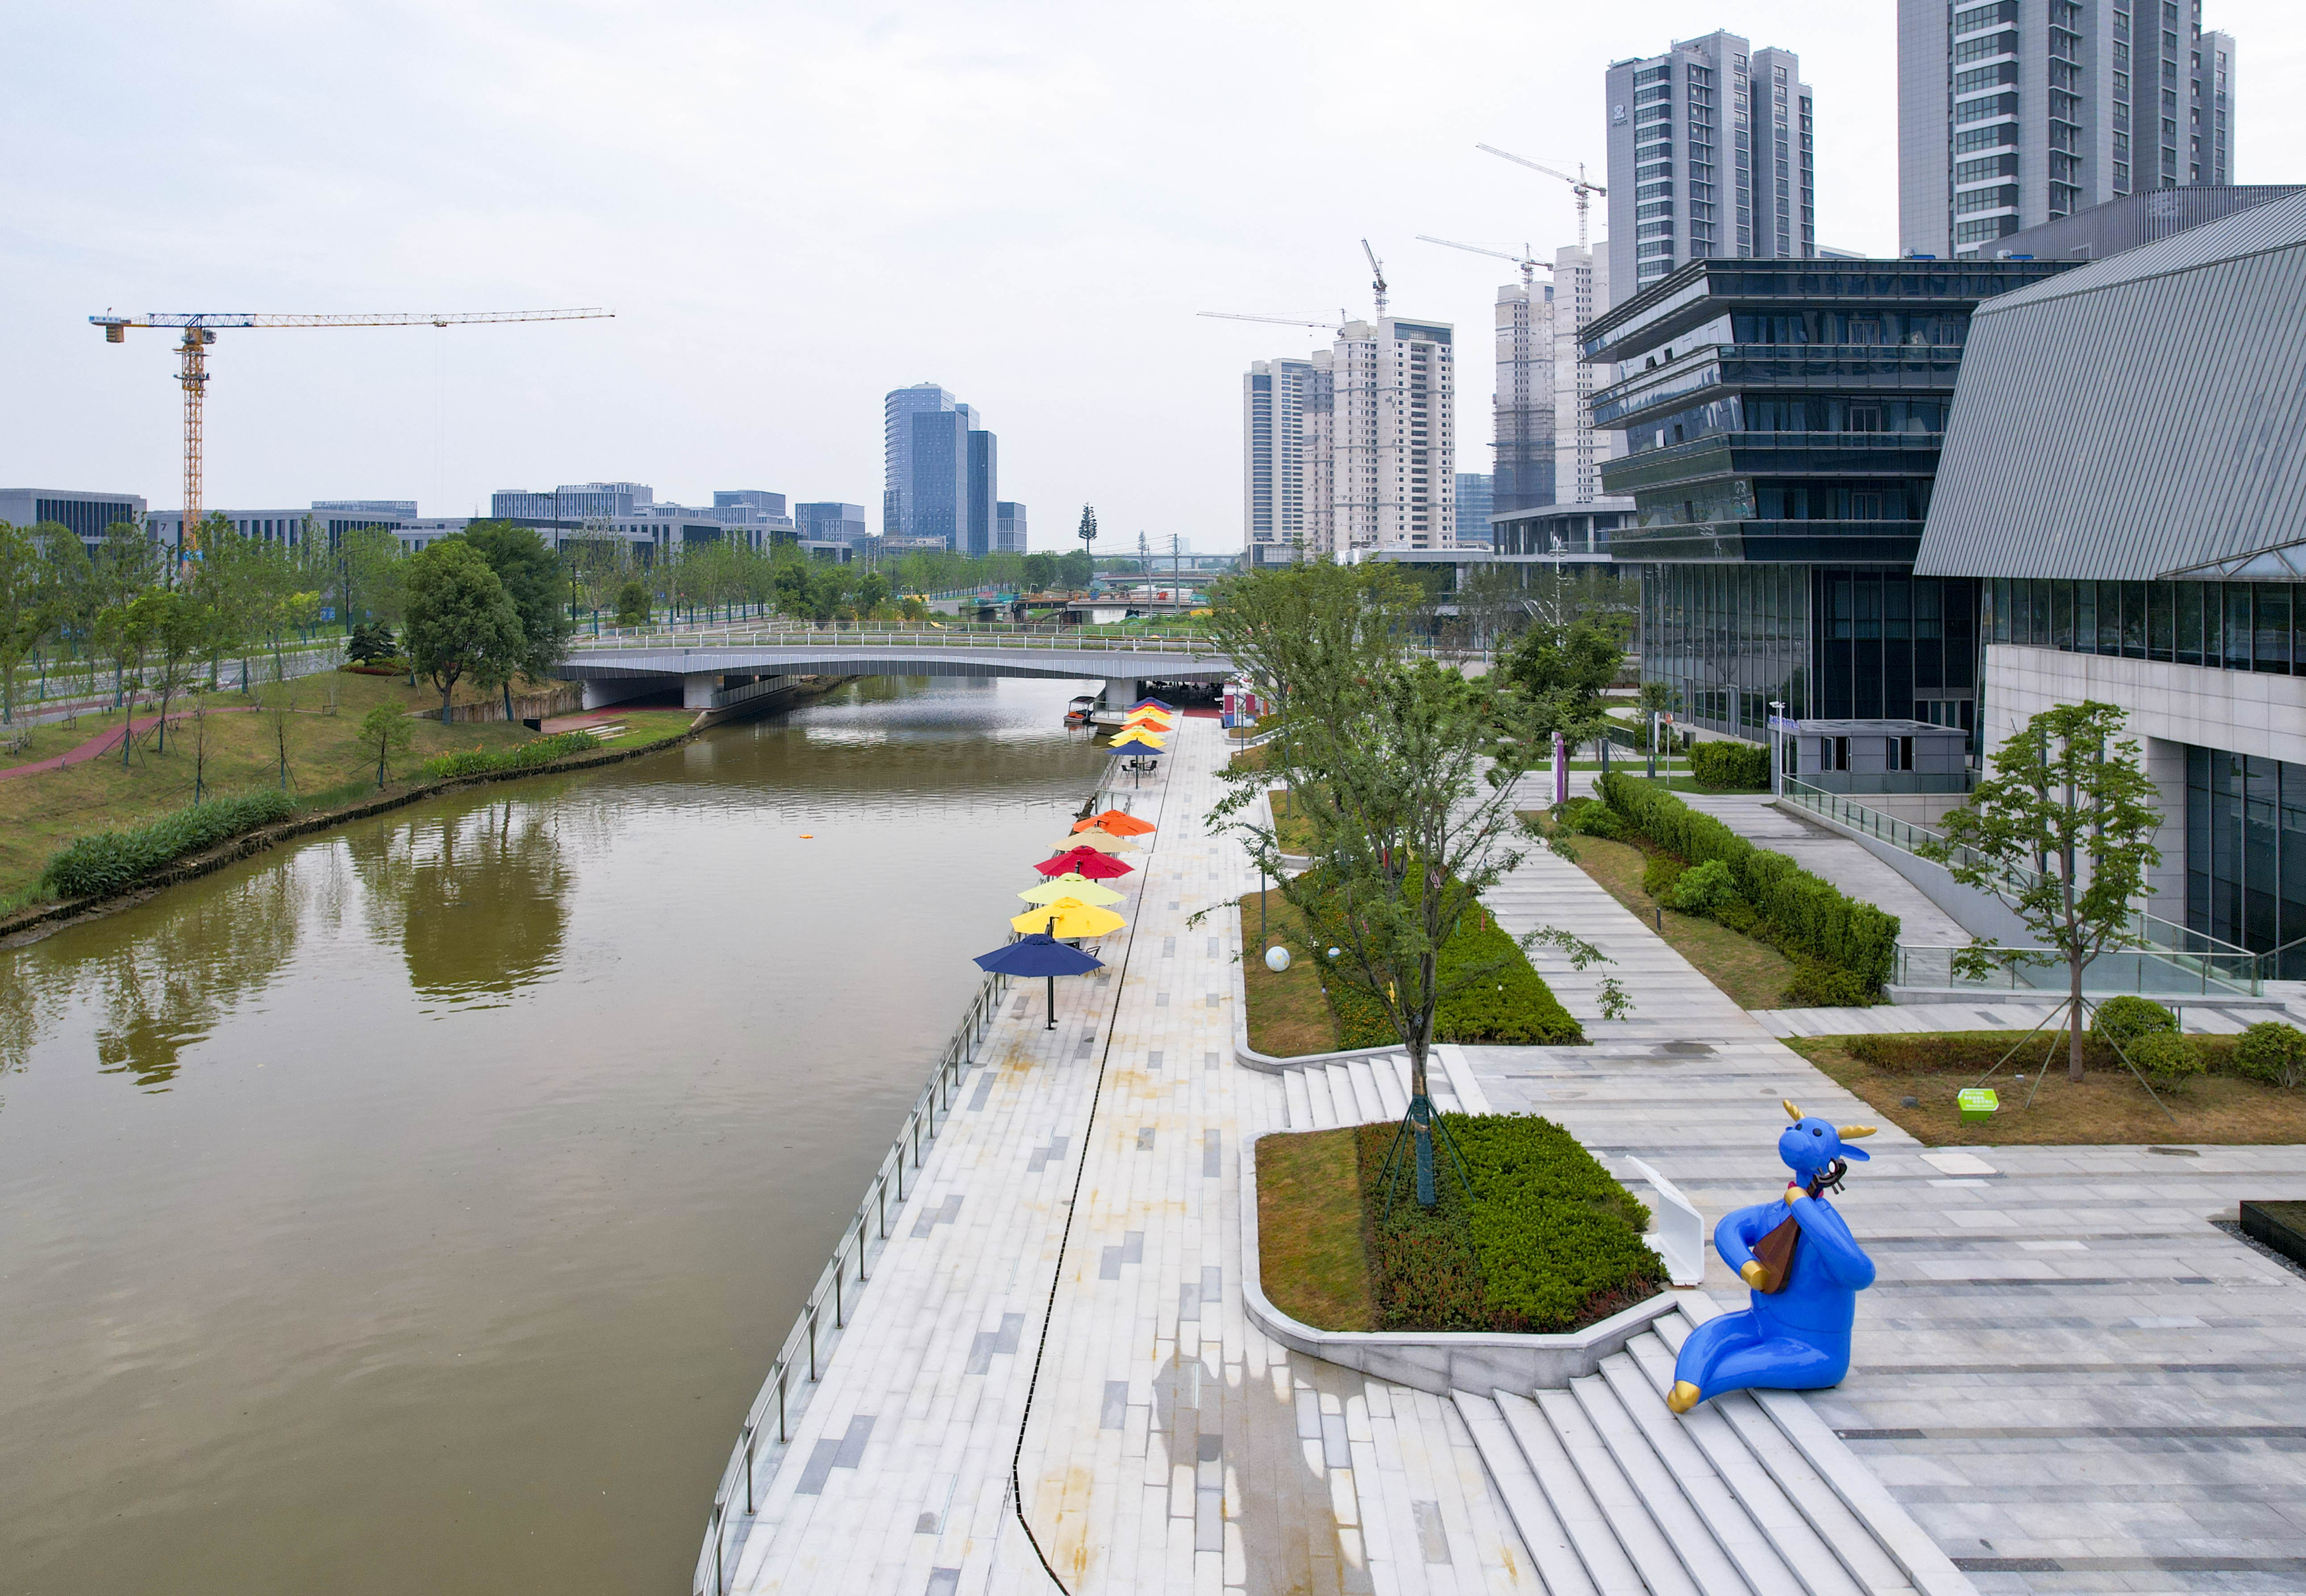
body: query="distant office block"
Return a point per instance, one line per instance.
(831, 522)
(571, 501)
(1008, 526)
(2013, 114)
(751, 498)
(87, 515)
(925, 466)
(1474, 501)
(983, 490)
(1711, 154)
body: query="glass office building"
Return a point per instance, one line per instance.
(1784, 422)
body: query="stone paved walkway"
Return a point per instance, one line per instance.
(1169, 1446)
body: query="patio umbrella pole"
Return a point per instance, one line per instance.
(1052, 1004)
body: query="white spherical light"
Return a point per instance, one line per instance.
(1277, 959)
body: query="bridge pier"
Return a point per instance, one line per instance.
(1120, 692)
(603, 692)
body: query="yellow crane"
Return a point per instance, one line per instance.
(200, 331)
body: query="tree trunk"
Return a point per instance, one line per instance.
(2074, 1029)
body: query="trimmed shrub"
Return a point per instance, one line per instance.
(1816, 985)
(109, 862)
(2171, 1059)
(1662, 876)
(1548, 1243)
(1585, 817)
(2124, 1019)
(1705, 888)
(2271, 1052)
(1803, 913)
(1512, 1006)
(521, 756)
(1730, 767)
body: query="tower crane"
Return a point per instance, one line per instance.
(1377, 277)
(200, 331)
(1528, 262)
(1584, 190)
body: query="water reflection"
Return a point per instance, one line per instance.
(476, 901)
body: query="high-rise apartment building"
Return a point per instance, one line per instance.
(1711, 154)
(1353, 449)
(2014, 112)
(1523, 427)
(939, 470)
(1580, 292)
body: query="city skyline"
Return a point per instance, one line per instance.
(1098, 208)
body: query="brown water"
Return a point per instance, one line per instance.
(418, 1207)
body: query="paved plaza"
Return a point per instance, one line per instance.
(2067, 1373)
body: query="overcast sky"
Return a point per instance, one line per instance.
(793, 208)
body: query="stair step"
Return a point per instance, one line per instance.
(1365, 1089)
(1387, 1073)
(1598, 1552)
(1696, 1542)
(1319, 1102)
(1704, 1484)
(1645, 1542)
(1342, 1094)
(1918, 1557)
(1299, 1112)
(1829, 1551)
(1548, 1544)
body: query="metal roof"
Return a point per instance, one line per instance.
(2138, 416)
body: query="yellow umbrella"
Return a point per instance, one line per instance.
(1133, 735)
(1103, 842)
(1080, 888)
(1068, 916)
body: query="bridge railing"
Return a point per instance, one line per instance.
(768, 1427)
(789, 635)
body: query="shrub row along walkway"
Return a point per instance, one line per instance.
(1170, 1445)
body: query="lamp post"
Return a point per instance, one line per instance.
(1777, 760)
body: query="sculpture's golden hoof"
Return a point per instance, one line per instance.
(1755, 1274)
(1683, 1397)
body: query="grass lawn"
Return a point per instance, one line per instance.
(1752, 974)
(1309, 1230)
(41, 811)
(1295, 831)
(1288, 1016)
(646, 726)
(2106, 1107)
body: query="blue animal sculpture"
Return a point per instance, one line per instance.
(1805, 1269)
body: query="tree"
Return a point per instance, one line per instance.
(633, 603)
(1087, 532)
(1557, 674)
(370, 640)
(368, 562)
(2062, 834)
(1405, 808)
(1040, 571)
(125, 565)
(125, 632)
(532, 575)
(28, 607)
(461, 620)
(387, 730)
(175, 626)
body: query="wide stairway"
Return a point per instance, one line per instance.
(1750, 1493)
(1360, 1092)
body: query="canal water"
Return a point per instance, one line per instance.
(417, 1207)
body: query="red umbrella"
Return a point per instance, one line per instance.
(1086, 861)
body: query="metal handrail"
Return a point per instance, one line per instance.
(2149, 931)
(1191, 643)
(767, 1428)
(2149, 970)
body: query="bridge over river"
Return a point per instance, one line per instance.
(720, 668)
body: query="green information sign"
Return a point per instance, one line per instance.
(1978, 1102)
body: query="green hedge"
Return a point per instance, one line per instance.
(1513, 1006)
(108, 862)
(1550, 1242)
(521, 757)
(1730, 767)
(1805, 914)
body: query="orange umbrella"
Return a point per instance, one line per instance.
(1119, 822)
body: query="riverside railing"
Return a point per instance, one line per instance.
(959, 637)
(2166, 939)
(2147, 971)
(767, 1429)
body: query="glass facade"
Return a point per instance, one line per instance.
(1831, 642)
(2246, 852)
(2223, 626)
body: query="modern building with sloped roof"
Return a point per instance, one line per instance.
(2124, 475)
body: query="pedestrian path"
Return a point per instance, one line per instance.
(1075, 1242)
(2017, 1016)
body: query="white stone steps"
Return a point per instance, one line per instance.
(1820, 1555)
(1388, 1073)
(1604, 1560)
(1365, 1089)
(1294, 1096)
(1342, 1096)
(1662, 1571)
(1749, 1495)
(1321, 1107)
(1541, 1528)
(1694, 1540)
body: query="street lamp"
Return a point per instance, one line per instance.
(1777, 760)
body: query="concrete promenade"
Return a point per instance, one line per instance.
(2070, 1378)
(1169, 1446)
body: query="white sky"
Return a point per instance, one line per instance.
(794, 209)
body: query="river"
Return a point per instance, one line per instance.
(416, 1208)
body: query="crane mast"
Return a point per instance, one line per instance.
(1578, 185)
(200, 331)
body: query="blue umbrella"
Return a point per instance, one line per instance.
(1122, 750)
(1041, 954)
(1156, 703)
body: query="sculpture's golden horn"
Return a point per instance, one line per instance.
(1852, 1133)
(1792, 1112)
